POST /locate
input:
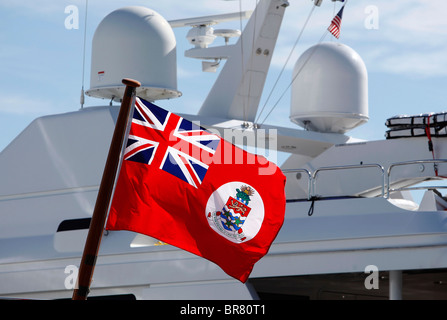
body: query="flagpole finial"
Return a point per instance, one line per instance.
(131, 83)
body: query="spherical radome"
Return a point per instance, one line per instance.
(136, 43)
(330, 91)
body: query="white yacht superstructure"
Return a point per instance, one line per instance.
(348, 204)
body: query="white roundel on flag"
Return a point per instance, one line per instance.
(235, 211)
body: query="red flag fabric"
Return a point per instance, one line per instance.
(185, 186)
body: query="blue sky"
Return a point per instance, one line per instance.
(403, 44)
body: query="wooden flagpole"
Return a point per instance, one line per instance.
(99, 216)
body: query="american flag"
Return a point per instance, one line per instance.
(165, 140)
(334, 28)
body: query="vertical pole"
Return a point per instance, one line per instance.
(396, 285)
(99, 216)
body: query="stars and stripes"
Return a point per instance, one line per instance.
(335, 25)
(160, 138)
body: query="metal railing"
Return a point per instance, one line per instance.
(309, 179)
(347, 167)
(312, 177)
(385, 184)
(413, 162)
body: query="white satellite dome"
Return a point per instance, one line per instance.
(330, 92)
(137, 43)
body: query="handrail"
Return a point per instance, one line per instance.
(309, 179)
(403, 163)
(355, 166)
(385, 175)
(312, 176)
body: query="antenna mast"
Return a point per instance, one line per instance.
(83, 56)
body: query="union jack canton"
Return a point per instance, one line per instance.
(163, 139)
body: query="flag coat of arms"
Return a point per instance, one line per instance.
(184, 185)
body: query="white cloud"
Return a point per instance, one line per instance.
(19, 105)
(411, 38)
(34, 7)
(418, 63)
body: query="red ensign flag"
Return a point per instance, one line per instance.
(185, 186)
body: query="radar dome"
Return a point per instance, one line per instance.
(330, 92)
(137, 43)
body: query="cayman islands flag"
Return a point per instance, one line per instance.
(187, 187)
